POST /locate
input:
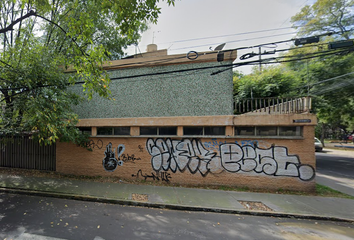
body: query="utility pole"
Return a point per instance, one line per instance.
(260, 58)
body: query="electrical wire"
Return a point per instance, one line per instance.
(225, 66)
(276, 59)
(241, 40)
(333, 87)
(168, 59)
(221, 36)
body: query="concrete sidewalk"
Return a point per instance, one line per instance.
(192, 199)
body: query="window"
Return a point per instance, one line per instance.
(163, 131)
(245, 131)
(206, 131)
(285, 131)
(85, 130)
(214, 131)
(113, 131)
(121, 130)
(104, 131)
(167, 130)
(290, 131)
(192, 131)
(266, 131)
(148, 130)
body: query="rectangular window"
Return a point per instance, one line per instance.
(104, 131)
(290, 131)
(267, 131)
(167, 131)
(214, 131)
(113, 131)
(121, 131)
(188, 131)
(245, 131)
(148, 130)
(293, 131)
(206, 131)
(86, 130)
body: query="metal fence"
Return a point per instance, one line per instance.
(23, 152)
(273, 105)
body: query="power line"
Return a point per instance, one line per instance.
(241, 40)
(333, 87)
(229, 35)
(298, 57)
(220, 36)
(228, 66)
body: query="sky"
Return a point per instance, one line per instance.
(201, 25)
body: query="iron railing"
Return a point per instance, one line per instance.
(273, 105)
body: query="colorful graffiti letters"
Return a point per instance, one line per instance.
(191, 155)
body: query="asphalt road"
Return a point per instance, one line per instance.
(30, 217)
(335, 169)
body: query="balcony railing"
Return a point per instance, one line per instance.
(273, 105)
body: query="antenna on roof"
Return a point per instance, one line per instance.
(220, 47)
(153, 36)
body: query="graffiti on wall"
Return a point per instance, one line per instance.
(141, 149)
(129, 158)
(110, 161)
(191, 155)
(214, 144)
(94, 144)
(157, 176)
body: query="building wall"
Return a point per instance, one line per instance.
(194, 93)
(257, 162)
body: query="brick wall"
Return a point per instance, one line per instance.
(258, 163)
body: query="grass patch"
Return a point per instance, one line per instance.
(325, 191)
(230, 188)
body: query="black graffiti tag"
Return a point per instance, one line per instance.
(129, 158)
(158, 176)
(92, 144)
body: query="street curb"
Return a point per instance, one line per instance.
(341, 146)
(172, 206)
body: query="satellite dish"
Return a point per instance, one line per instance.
(220, 47)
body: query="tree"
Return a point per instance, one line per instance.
(326, 16)
(41, 39)
(333, 99)
(273, 81)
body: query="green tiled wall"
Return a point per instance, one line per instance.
(192, 93)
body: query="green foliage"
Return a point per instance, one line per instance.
(328, 79)
(325, 16)
(50, 45)
(273, 81)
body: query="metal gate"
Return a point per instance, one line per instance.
(23, 152)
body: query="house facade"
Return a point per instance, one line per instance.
(172, 120)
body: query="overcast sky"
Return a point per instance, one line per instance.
(197, 25)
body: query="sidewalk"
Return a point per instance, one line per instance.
(191, 199)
